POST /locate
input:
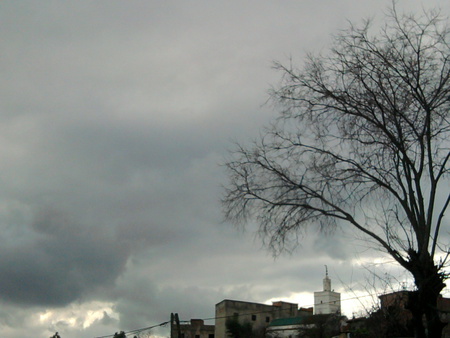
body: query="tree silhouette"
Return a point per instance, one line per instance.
(362, 140)
(236, 329)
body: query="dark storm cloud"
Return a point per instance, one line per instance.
(63, 262)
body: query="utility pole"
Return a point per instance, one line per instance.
(175, 319)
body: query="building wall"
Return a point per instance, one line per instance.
(283, 331)
(397, 299)
(326, 302)
(259, 315)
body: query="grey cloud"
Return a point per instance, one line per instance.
(63, 264)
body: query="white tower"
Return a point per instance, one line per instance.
(327, 301)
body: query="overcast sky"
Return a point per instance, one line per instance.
(114, 119)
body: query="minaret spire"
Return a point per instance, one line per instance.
(326, 281)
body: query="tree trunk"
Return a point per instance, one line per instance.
(433, 321)
(423, 303)
(426, 321)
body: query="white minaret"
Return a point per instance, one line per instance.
(327, 301)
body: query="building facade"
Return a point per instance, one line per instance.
(258, 315)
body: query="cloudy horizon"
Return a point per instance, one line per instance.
(115, 119)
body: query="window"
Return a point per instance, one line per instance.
(267, 319)
(253, 317)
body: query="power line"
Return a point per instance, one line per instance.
(137, 330)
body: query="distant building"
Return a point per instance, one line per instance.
(258, 315)
(195, 329)
(324, 325)
(327, 301)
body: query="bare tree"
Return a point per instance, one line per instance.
(362, 139)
